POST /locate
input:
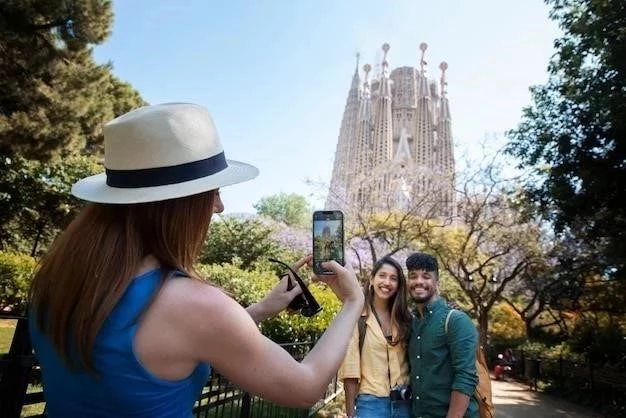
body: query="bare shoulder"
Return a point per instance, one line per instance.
(185, 295)
(199, 304)
(204, 315)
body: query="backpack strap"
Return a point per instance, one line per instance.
(480, 360)
(362, 329)
(445, 326)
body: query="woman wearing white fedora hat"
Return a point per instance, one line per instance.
(120, 323)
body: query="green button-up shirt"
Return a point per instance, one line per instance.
(442, 363)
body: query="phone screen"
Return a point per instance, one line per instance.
(328, 236)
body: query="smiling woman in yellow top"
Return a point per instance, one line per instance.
(376, 374)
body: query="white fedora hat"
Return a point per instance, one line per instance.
(161, 152)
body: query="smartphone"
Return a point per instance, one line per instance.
(328, 239)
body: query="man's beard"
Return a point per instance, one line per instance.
(423, 299)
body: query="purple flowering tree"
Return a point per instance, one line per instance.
(295, 238)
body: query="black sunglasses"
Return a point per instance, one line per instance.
(304, 302)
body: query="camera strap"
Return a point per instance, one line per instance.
(386, 344)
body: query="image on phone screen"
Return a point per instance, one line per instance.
(328, 238)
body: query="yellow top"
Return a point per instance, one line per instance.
(370, 366)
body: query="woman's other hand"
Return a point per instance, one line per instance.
(279, 297)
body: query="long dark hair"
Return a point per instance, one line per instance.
(398, 305)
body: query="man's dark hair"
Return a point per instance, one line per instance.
(422, 261)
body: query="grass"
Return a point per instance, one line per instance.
(36, 409)
(7, 328)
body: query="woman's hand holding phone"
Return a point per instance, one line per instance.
(343, 282)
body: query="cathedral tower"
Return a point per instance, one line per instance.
(395, 149)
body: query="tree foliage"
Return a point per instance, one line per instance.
(292, 209)
(574, 134)
(54, 101)
(295, 239)
(240, 241)
(35, 199)
(55, 98)
(490, 243)
(600, 338)
(536, 296)
(507, 328)
(484, 258)
(16, 271)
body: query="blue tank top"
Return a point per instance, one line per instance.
(123, 388)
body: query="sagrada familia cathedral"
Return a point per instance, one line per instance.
(395, 149)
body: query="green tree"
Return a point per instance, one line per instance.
(292, 209)
(55, 98)
(243, 242)
(35, 199)
(573, 136)
(506, 327)
(491, 244)
(485, 256)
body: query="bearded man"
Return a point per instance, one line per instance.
(442, 348)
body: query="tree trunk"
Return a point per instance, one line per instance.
(483, 326)
(372, 250)
(358, 257)
(40, 228)
(529, 328)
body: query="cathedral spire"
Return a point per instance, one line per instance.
(444, 161)
(366, 82)
(356, 79)
(385, 82)
(443, 83)
(382, 144)
(423, 63)
(342, 166)
(362, 160)
(444, 113)
(422, 80)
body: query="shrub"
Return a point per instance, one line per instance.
(249, 286)
(15, 274)
(550, 352)
(603, 343)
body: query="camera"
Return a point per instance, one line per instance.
(401, 393)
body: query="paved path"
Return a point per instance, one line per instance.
(513, 400)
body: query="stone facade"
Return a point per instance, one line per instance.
(395, 149)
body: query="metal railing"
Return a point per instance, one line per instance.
(601, 386)
(21, 394)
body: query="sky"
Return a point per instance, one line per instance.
(275, 74)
